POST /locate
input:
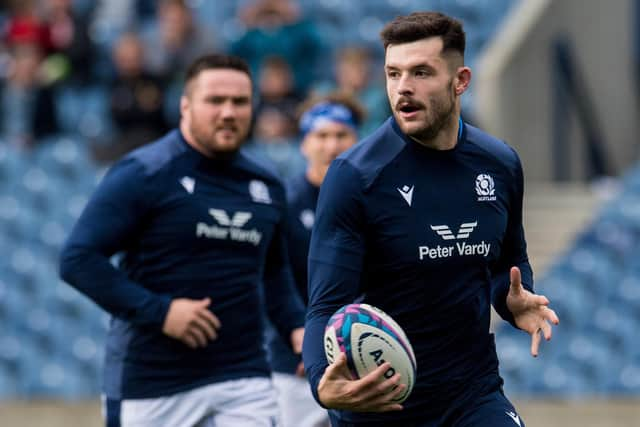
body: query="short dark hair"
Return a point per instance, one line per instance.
(214, 62)
(422, 25)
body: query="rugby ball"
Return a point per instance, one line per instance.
(369, 337)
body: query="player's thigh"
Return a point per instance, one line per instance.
(297, 405)
(180, 410)
(492, 410)
(248, 402)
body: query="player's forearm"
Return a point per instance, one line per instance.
(315, 362)
(330, 287)
(92, 274)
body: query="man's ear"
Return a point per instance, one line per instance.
(184, 105)
(462, 80)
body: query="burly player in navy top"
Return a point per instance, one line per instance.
(200, 226)
(329, 126)
(423, 219)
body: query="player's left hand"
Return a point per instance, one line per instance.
(530, 311)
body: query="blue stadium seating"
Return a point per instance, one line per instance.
(595, 289)
(50, 336)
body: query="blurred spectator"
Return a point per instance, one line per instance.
(275, 127)
(275, 28)
(72, 52)
(354, 75)
(175, 40)
(145, 9)
(4, 53)
(273, 142)
(276, 90)
(111, 17)
(272, 127)
(172, 42)
(136, 102)
(26, 104)
(24, 25)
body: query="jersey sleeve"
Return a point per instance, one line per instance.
(110, 220)
(284, 305)
(298, 248)
(514, 250)
(336, 256)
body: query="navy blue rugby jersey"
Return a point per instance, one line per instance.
(429, 237)
(188, 227)
(302, 197)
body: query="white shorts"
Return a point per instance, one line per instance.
(247, 402)
(297, 405)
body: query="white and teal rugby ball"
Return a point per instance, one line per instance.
(369, 337)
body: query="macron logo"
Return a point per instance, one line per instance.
(407, 193)
(188, 183)
(514, 417)
(239, 218)
(465, 230)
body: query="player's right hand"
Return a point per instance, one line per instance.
(191, 322)
(371, 393)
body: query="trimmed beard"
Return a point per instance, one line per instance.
(440, 120)
(214, 153)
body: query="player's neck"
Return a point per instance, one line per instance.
(315, 176)
(446, 139)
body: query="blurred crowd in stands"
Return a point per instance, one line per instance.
(111, 71)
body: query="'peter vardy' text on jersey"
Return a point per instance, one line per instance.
(429, 237)
(188, 227)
